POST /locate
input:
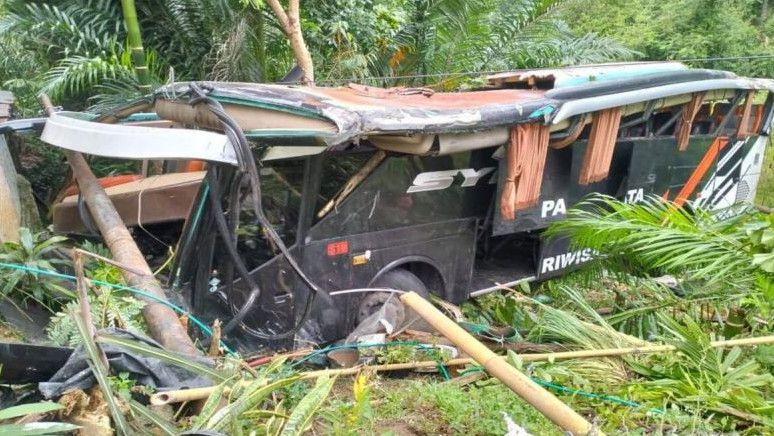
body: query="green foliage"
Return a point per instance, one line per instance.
(123, 385)
(429, 407)
(300, 419)
(498, 309)
(74, 46)
(682, 29)
(654, 237)
(707, 378)
(33, 428)
(765, 193)
(34, 250)
(100, 372)
(76, 49)
(400, 353)
(360, 410)
(109, 308)
(393, 38)
(98, 269)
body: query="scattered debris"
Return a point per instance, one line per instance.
(87, 410)
(513, 428)
(75, 374)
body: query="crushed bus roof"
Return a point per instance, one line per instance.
(350, 113)
(301, 120)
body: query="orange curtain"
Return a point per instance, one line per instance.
(599, 153)
(686, 120)
(526, 160)
(743, 130)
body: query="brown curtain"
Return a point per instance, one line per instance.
(743, 130)
(526, 159)
(686, 120)
(599, 153)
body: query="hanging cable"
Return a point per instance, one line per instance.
(246, 164)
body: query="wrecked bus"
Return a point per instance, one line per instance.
(315, 200)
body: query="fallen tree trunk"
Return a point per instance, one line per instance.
(162, 321)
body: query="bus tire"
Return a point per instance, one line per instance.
(398, 279)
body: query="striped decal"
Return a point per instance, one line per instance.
(701, 169)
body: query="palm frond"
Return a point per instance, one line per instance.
(656, 237)
(77, 74)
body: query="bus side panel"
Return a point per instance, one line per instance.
(714, 179)
(446, 246)
(560, 189)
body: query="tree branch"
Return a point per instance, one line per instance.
(291, 24)
(276, 7)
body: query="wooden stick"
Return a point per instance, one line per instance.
(10, 212)
(215, 340)
(182, 395)
(83, 304)
(201, 393)
(542, 400)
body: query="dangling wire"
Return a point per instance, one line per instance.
(246, 164)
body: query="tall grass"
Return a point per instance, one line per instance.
(765, 193)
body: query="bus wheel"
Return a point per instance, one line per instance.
(398, 279)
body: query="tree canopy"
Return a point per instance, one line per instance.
(684, 29)
(77, 50)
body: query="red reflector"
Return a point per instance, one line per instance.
(337, 248)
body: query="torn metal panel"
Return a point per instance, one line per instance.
(600, 102)
(553, 78)
(68, 130)
(360, 112)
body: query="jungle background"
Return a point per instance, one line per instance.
(77, 51)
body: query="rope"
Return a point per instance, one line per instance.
(485, 331)
(572, 391)
(172, 306)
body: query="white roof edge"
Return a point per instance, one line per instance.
(571, 108)
(66, 130)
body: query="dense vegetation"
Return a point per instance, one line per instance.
(720, 282)
(76, 49)
(684, 29)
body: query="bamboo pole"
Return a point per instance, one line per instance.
(183, 395)
(134, 39)
(162, 321)
(169, 397)
(542, 400)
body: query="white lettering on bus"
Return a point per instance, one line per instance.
(566, 260)
(634, 195)
(553, 207)
(435, 180)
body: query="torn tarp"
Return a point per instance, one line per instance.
(147, 371)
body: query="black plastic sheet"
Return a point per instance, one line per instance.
(147, 371)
